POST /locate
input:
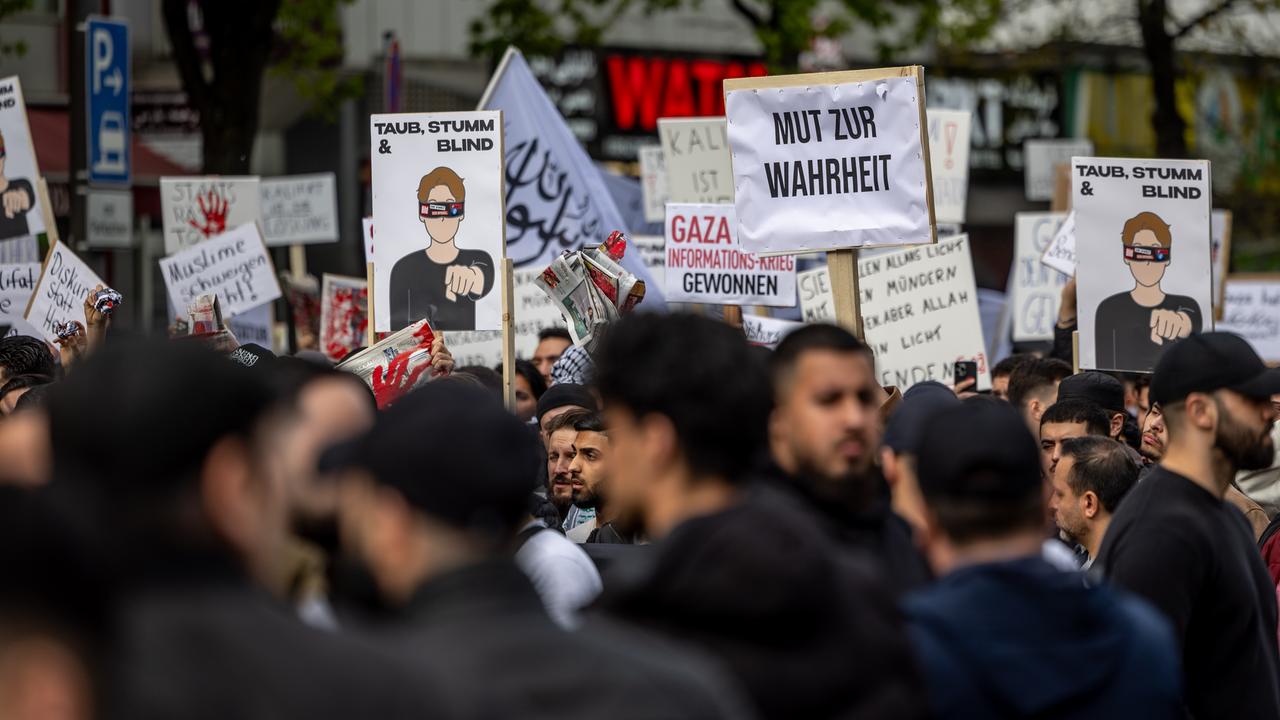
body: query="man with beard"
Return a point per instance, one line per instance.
(824, 434)
(560, 454)
(1177, 543)
(1093, 475)
(589, 473)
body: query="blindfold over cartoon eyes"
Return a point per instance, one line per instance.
(1148, 254)
(440, 209)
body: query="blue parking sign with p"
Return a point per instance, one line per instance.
(106, 83)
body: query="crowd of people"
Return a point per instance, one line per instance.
(676, 524)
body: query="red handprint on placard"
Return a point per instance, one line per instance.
(214, 212)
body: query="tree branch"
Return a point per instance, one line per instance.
(749, 13)
(1204, 17)
(183, 46)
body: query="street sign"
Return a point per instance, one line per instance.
(109, 219)
(107, 66)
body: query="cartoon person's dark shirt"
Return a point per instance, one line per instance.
(417, 291)
(1122, 331)
(17, 225)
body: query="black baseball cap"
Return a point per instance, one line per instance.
(1098, 388)
(978, 451)
(562, 394)
(919, 403)
(1212, 361)
(252, 355)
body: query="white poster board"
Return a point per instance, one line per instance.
(1142, 230)
(1252, 311)
(1060, 253)
(17, 282)
(705, 263)
(949, 139)
(920, 313)
(653, 253)
(109, 218)
(234, 266)
(653, 182)
(767, 331)
(198, 208)
(366, 233)
(816, 302)
(1035, 290)
(20, 212)
(65, 282)
(299, 209)
(438, 198)
(696, 152)
(1041, 157)
(830, 160)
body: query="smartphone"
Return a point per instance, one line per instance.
(967, 370)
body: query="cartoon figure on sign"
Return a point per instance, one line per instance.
(16, 198)
(1133, 327)
(443, 282)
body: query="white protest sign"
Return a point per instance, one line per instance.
(949, 163)
(705, 263)
(366, 228)
(1252, 311)
(830, 160)
(60, 293)
(1142, 230)
(299, 209)
(1060, 253)
(234, 266)
(696, 152)
(254, 326)
(653, 182)
(1041, 157)
(20, 212)
(653, 253)
(767, 331)
(920, 313)
(1220, 227)
(198, 208)
(816, 301)
(17, 282)
(344, 315)
(109, 218)
(1035, 290)
(438, 198)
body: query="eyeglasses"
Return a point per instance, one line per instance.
(440, 210)
(1146, 254)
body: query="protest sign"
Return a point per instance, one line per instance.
(65, 281)
(254, 326)
(705, 263)
(816, 303)
(1252, 311)
(438, 198)
(343, 315)
(653, 182)
(17, 282)
(696, 152)
(20, 211)
(299, 209)
(830, 161)
(1060, 252)
(1220, 227)
(109, 218)
(949, 163)
(767, 331)
(366, 228)
(198, 208)
(234, 266)
(1040, 157)
(1142, 230)
(1035, 290)
(652, 250)
(920, 313)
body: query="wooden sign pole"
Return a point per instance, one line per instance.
(508, 335)
(842, 266)
(46, 211)
(298, 261)
(1061, 188)
(733, 315)
(370, 336)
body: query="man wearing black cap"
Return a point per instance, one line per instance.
(560, 399)
(1100, 389)
(1003, 633)
(1177, 543)
(431, 505)
(901, 447)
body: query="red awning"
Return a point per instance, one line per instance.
(53, 149)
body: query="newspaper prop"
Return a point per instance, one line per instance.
(234, 266)
(65, 281)
(949, 163)
(438, 198)
(830, 161)
(816, 302)
(1035, 290)
(394, 365)
(1220, 225)
(653, 182)
(366, 227)
(299, 209)
(1060, 252)
(767, 331)
(696, 152)
(705, 263)
(590, 288)
(20, 212)
(1252, 311)
(344, 307)
(17, 282)
(1143, 232)
(1041, 157)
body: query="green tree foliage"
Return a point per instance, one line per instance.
(13, 7)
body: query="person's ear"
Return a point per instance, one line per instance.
(1201, 411)
(1117, 424)
(889, 467)
(1092, 506)
(659, 440)
(229, 503)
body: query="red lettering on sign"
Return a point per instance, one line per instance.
(642, 89)
(637, 88)
(679, 96)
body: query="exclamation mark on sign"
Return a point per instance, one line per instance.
(949, 132)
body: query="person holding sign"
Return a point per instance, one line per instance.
(17, 196)
(442, 283)
(1133, 326)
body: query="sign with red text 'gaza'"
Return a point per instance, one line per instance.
(706, 264)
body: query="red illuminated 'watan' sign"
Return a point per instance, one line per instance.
(644, 89)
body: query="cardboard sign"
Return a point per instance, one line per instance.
(17, 282)
(366, 228)
(653, 182)
(1142, 230)
(1060, 253)
(1252, 311)
(234, 266)
(198, 208)
(438, 198)
(949, 163)
(652, 250)
(109, 218)
(696, 151)
(920, 313)
(816, 302)
(344, 319)
(65, 282)
(1040, 157)
(20, 211)
(767, 331)
(1220, 227)
(254, 326)
(1035, 290)
(831, 160)
(299, 209)
(705, 263)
